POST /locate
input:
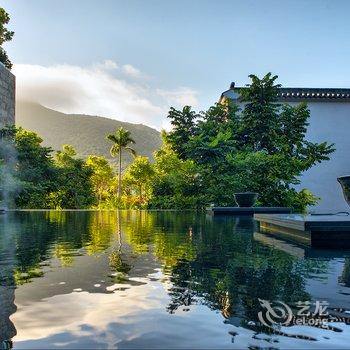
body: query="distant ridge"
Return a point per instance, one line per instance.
(86, 133)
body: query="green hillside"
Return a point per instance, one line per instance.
(86, 133)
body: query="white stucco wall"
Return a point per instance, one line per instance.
(330, 121)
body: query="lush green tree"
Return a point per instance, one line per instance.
(121, 140)
(73, 181)
(184, 127)
(140, 174)
(65, 157)
(102, 176)
(35, 169)
(177, 183)
(5, 35)
(261, 147)
(40, 180)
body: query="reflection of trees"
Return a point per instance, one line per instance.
(40, 236)
(7, 282)
(217, 262)
(213, 261)
(117, 261)
(232, 271)
(168, 234)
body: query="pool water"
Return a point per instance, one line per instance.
(131, 279)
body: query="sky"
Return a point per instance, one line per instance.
(131, 60)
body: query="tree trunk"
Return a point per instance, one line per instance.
(120, 174)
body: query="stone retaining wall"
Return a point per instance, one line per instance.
(7, 96)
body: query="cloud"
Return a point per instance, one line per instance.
(180, 97)
(103, 89)
(108, 64)
(131, 71)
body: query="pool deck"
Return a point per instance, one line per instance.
(248, 211)
(328, 231)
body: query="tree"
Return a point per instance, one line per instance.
(5, 35)
(184, 128)
(177, 183)
(140, 173)
(261, 147)
(101, 177)
(65, 157)
(73, 181)
(35, 179)
(121, 140)
(35, 169)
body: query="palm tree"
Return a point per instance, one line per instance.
(121, 140)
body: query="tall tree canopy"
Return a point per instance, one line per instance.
(36, 179)
(121, 140)
(5, 35)
(102, 176)
(140, 174)
(261, 147)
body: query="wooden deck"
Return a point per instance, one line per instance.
(328, 231)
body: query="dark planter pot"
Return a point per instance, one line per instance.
(246, 199)
(345, 185)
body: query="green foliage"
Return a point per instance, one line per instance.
(101, 178)
(73, 178)
(139, 176)
(5, 35)
(121, 140)
(260, 148)
(41, 180)
(36, 170)
(183, 123)
(177, 183)
(205, 159)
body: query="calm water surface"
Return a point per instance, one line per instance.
(159, 280)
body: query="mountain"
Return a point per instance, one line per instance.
(86, 133)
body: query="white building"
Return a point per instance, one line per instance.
(329, 121)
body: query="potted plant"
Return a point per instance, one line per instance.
(246, 199)
(243, 185)
(345, 184)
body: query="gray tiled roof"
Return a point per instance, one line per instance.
(301, 94)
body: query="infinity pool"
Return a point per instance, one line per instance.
(133, 279)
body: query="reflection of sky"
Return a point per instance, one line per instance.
(329, 288)
(137, 318)
(131, 318)
(85, 305)
(131, 315)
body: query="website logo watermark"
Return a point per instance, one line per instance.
(301, 313)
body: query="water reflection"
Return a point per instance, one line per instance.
(157, 279)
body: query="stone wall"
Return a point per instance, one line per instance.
(7, 96)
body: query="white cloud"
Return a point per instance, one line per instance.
(102, 89)
(180, 97)
(131, 71)
(108, 64)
